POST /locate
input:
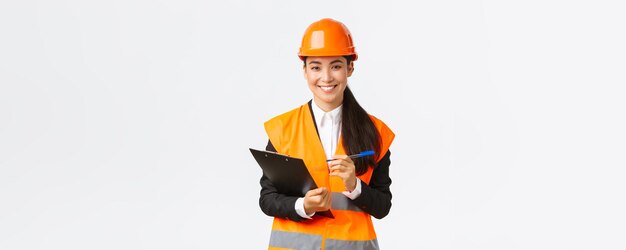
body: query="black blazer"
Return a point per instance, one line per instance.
(375, 198)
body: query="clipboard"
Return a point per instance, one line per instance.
(288, 174)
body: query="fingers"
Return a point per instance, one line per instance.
(323, 192)
(344, 176)
(345, 168)
(340, 168)
(317, 191)
(318, 199)
(342, 160)
(338, 171)
(339, 159)
(343, 157)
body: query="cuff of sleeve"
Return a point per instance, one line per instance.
(355, 193)
(300, 209)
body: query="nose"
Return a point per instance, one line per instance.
(327, 76)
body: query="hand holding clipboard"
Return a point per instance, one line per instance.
(288, 174)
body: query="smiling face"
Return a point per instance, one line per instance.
(327, 77)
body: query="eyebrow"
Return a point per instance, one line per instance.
(311, 62)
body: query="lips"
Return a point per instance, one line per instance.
(327, 88)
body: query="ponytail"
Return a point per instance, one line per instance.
(358, 132)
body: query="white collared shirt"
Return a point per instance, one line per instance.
(328, 128)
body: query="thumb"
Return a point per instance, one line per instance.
(316, 191)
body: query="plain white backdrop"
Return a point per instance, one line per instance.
(126, 124)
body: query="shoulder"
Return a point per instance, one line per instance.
(280, 128)
(286, 123)
(285, 118)
(380, 125)
(386, 135)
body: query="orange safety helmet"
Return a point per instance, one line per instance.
(327, 37)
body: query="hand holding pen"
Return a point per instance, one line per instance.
(362, 154)
(342, 166)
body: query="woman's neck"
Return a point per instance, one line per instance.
(326, 107)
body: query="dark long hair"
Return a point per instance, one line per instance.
(358, 132)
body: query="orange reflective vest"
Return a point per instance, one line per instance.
(294, 134)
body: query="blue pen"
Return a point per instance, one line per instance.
(364, 153)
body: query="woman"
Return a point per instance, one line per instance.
(331, 126)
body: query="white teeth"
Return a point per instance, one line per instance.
(327, 88)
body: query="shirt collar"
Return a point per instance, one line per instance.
(335, 114)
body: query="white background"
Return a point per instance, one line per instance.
(126, 124)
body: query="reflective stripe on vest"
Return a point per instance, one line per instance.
(294, 134)
(341, 202)
(303, 241)
(284, 239)
(352, 244)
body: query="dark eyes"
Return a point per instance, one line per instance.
(334, 67)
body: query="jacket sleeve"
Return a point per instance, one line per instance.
(274, 203)
(375, 198)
